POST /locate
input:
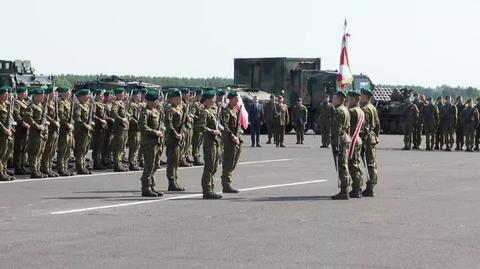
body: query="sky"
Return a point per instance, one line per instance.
(426, 43)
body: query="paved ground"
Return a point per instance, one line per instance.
(426, 215)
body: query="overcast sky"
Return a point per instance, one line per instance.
(424, 43)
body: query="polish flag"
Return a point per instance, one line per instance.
(243, 113)
(344, 74)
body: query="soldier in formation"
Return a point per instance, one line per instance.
(281, 120)
(299, 118)
(324, 119)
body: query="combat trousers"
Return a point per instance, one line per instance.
(477, 137)
(197, 141)
(448, 135)
(211, 155)
(370, 156)
(65, 144)
(354, 166)
(439, 136)
(107, 148)
(152, 150)
(407, 136)
(133, 147)
(429, 130)
(82, 145)
(36, 147)
(459, 135)
(50, 150)
(279, 132)
(417, 135)
(6, 148)
(269, 125)
(98, 142)
(469, 132)
(174, 155)
(342, 161)
(119, 141)
(20, 148)
(300, 132)
(231, 154)
(325, 132)
(187, 143)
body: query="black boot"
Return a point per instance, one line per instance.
(175, 187)
(269, 141)
(149, 193)
(184, 163)
(5, 178)
(159, 193)
(211, 196)
(197, 162)
(355, 193)
(229, 189)
(120, 168)
(342, 195)
(134, 167)
(368, 192)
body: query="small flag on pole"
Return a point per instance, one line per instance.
(344, 73)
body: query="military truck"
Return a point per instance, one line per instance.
(113, 82)
(391, 107)
(21, 73)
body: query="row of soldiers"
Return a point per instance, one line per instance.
(443, 122)
(39, 124)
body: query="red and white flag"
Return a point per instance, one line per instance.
(344, 73)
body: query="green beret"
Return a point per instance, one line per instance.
(11, 90)
(107, 92)
(208, 94)
(353, 93)
(199, 91)
(221, 93)
(98, 91)
(21, 89)
(62, 89)
(143, 90)
(341, 94)
(119, 90)
(447, 96)
(366, 92)
(232, 94)
(37, 90)
(135, 91)
(151, 96)
(174, 93)
(185, 90)
(4, 89)
(82, 92)
(49, 89)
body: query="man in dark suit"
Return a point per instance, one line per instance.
(255, 119)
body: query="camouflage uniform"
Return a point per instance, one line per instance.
(439, 129)
(469, 119)
(6, 142)
(107, 144)
(173, 125)
(83, 136)
(340, 143)
(477, 130)
(324, 121)
(211, 148)
(370, 141)
(299, 118)
(197, 138)
(20, 137)
(65, 136)
(411, 119)
(120, 129)
(418, 127)
(36, 138)
(187, 136)
(98, 136)
(231, 150)
(268, 113)
(356, 113)
(134, 136)
(459, 128)
(52, 140)
(449, 121)
(430, 118)
(281, 122)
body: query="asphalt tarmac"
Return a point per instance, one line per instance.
(426, 214)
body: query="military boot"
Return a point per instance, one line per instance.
(368, 192)
(120, 168)
(229, 189)
(189, 159)
(5, 178)
(149, 193)
(63, 173)
(269, 141)
(159, 193)
(211, 196)
(98, 166)
(36, 175)
(184, 163)
(197, 162)
(342, 195)
(162, 162)
(172, 186)
(355, 193)
(134, 167)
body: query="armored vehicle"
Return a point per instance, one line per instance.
(21, 73)
(113, 82)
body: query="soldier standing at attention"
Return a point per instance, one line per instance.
(439, 130)
(299, 118)
(53, 129)
(232, 143)
(477, 129)
(209, 122)
(220, 103)
(197, 138)
(418, 128)
(135, 110)
(120, 129)
(431, 119)
(324, 119)
(21, 132)
(65, 135)
(98, 136)
(82, 131)
(281, 122)
(459, 127)
(150, 126)
(6, 134)
(143, 92)
(38, 132)
(188, 132)
(469, 119)
(268, 113)
(370, 140)
(173, 125)
(107, 149)
(449, 121)
(411, 119)
(340, 143)
(357, 120)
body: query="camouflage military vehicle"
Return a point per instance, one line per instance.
(113, 82)
(391, 107)
(21, 73)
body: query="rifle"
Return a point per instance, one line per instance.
(10, 122)
(184, 116)
(219, 111)
(44, 112)
(162, 121)
(70, 119)
(90, 111)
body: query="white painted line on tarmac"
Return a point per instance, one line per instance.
(126, 173)
(180, 197)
